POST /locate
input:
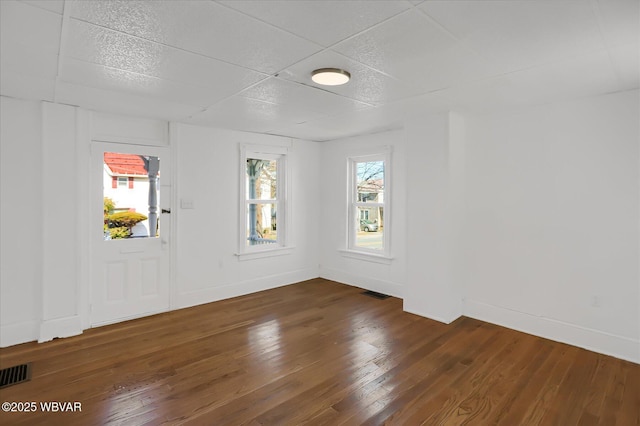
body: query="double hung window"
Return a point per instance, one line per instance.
(263, 199)
(368, 204)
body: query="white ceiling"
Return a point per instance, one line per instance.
(246, 64)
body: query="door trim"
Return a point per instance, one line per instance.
(95, 146)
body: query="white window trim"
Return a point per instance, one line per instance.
(124, 180)
(362, 253)
(282, 247)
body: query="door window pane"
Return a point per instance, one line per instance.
(131, 207)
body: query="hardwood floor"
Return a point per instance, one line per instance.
(318, 353)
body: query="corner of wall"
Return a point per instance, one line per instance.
(60, 327)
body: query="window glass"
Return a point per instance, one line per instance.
(132, 213)
(263, 206)
(367, 232)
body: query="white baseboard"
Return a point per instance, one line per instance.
(60, 327)
(548, 328)
(14, 334)
(213, 294)
(429, 315)
(373, 284)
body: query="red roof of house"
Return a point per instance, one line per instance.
(124, 164)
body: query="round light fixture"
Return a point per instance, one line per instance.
(330, 76)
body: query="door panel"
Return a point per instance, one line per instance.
(129, 267)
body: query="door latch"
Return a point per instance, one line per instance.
(167, 211)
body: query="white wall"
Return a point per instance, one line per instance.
(206, 241)
(20, 220)
(61, 239)
(526, 219)
(332, 204)
(552, 222)
(435, 170)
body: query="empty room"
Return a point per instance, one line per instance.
(320, 212)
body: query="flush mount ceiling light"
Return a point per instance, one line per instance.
(330, 76)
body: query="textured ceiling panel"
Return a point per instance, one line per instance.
(251, 114)
(35, 29)
(29, 46)
(344, 125)
(366, 85)
(386, 49)
(626, 62)
(620, 20)
(55, 6)
(520, 34)
(301, 97)
(97, 45)
(323, 22)
(92, 75)
(422, 53)
(564, 79)
(247, 64)
(18, 84)
(122, 103)
(202, 27)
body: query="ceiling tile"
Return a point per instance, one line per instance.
(620, 21)
(247, 64)
(301, 97)
(346, 125)
(203, 27)
(421, 53)
(323, 22)
(41, 64)
(366, 85)
(626, 62)
(97, 45)
(484, 95)
(86, 74)
(55, 6)
(250, 114)
(587, 75)
(18, 84)
(122, 103)
(582, 76)
(29, 45)
(33, 28)
(519, 34)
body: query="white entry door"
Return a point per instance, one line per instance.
(130, 266)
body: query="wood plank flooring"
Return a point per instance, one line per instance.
(318, 353)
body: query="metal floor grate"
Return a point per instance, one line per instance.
(14, 375)
(375, 294)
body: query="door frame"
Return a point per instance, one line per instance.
(122, 130)
(161, 244)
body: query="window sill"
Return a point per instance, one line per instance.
(260, 254)
(367, 257)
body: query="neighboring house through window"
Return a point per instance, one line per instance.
(123, 182)
(127, 183)
(368, 221)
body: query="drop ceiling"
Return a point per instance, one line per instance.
(246, 65)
